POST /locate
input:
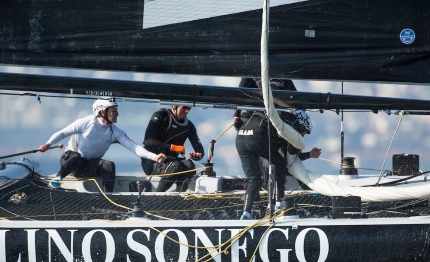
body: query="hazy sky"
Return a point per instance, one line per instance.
(25, 124)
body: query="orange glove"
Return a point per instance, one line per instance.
(177, 149)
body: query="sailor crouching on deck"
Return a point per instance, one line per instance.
(91, 137)
(166, 133)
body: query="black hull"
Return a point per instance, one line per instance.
(356, 40)
(60, 224)
(284, 242)
(295, 240)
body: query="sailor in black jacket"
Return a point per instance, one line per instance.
(252, 143)
(279, 171)
(167, 132)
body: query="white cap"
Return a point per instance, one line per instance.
(101, 105)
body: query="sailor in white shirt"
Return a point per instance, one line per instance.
(91, 137)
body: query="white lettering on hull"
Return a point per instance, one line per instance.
(183, 247)
(324, 245)
(110, 245)
(263, 249)
(3, 247)
(53, 234)
(201, 235)
(138, 247)
(31, 240)
(141, 245)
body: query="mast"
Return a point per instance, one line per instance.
(265, 85)
(342, 135)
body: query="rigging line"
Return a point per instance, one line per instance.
(232, 240)
(290, 192)
(103, 193)
(23, 94)
(177, 173)
(66, 214)
(349, 166)
(218, 137)
(348, 110)
(89, 97)
(195, 95)
(223, 207)
(397, 181)
(386, 211)
(15, 215)
(157, 216)
(196, 162)
(162, 233)
(77, 97)
(235, 238)
(261, 239)
(389, 147)
(250, 95)
(53, 204)
(410, 203)
(342, 135)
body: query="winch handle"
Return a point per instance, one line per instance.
(32, 151)
(211, 151)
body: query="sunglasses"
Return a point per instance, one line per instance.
(186, 108)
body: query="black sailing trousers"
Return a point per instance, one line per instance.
(250, 152)
(72, 163)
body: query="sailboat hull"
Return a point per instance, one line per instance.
(65, 224)
(394, 239)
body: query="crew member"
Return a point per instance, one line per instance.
(166, 133)
(91, 137)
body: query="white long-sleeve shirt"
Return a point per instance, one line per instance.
(92, 138)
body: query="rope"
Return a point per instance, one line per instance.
(348, 166)
(216, 139)
(389, 147)
(176, 173)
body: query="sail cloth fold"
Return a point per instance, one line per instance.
(295, 165)
(367, 194)
(325, 186)
(284, 130)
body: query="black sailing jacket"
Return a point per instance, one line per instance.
(164, 129)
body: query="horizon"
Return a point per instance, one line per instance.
(26, 124)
